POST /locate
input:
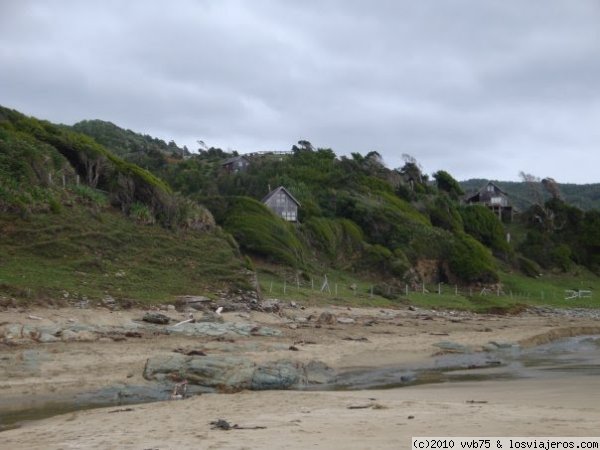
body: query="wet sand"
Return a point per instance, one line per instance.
(559, 406)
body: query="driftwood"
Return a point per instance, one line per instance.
(221, 424)
(184, 321)
(357, 339)
(121, 410)
(31, 316)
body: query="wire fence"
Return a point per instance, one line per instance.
(324, 286)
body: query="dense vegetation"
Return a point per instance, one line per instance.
(362, 216)
(583, 196)
(357, 216)
(78, 221)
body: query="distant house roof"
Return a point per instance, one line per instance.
(475, 197)
(275, 191)
(234, 159)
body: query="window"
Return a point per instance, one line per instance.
(280, 200)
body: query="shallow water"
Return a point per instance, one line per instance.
(572, 357)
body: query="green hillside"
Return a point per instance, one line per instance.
(143, 150)
(81, 218)
(77, 221)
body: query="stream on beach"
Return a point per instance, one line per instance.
(568, 358)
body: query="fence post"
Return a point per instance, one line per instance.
(456, 289)
(406, 289)
(284, 286)
(336, 289)
(371, 291)
(423, 287)
(271, 288)
(439, 288)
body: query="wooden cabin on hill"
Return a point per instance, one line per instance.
(235, 164)
(282, 203)
(495, 199)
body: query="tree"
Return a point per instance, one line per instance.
(412, 172)
(303, 146)
(446, 183)
(551, 187)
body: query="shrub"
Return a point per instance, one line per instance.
(484, 225)
(260, 231)
(335, 238)
(90, 196)
(444, 214)
(141, 214)
(529, 267)
(470, 261)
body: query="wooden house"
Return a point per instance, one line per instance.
(495, 199)
(235, 164)
(282, 203)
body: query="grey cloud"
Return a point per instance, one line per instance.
(476, 88)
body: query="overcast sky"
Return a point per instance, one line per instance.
(480, 88)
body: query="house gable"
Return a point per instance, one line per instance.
(494, 198)
(236, 164)
(282, 203)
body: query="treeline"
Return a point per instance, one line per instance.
(356, 214)
(36, 156)
(583, 196)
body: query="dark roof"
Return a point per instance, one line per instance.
(233, 159)
(483, 190)
(275, 191)
(495, 185)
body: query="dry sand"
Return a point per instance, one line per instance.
(377, 419)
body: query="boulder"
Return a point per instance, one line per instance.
(71, 335)
(270, 306)
(346, 320)
(235, 373)
(46, 338)
(327, 318)
(155, 317)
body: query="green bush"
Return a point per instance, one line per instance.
(470, 261)
(335, 238)
(260, 231)
(484, 225)
(90, 196)
(141, 214)
(55, 206)
(443, 213)
(529, 267)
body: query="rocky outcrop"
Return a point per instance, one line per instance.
(18, 334)
(235, 373)
(222, 329)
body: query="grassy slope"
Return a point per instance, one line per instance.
(94, 254)
(517, 291)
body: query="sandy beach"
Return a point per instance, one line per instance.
(32, 373)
